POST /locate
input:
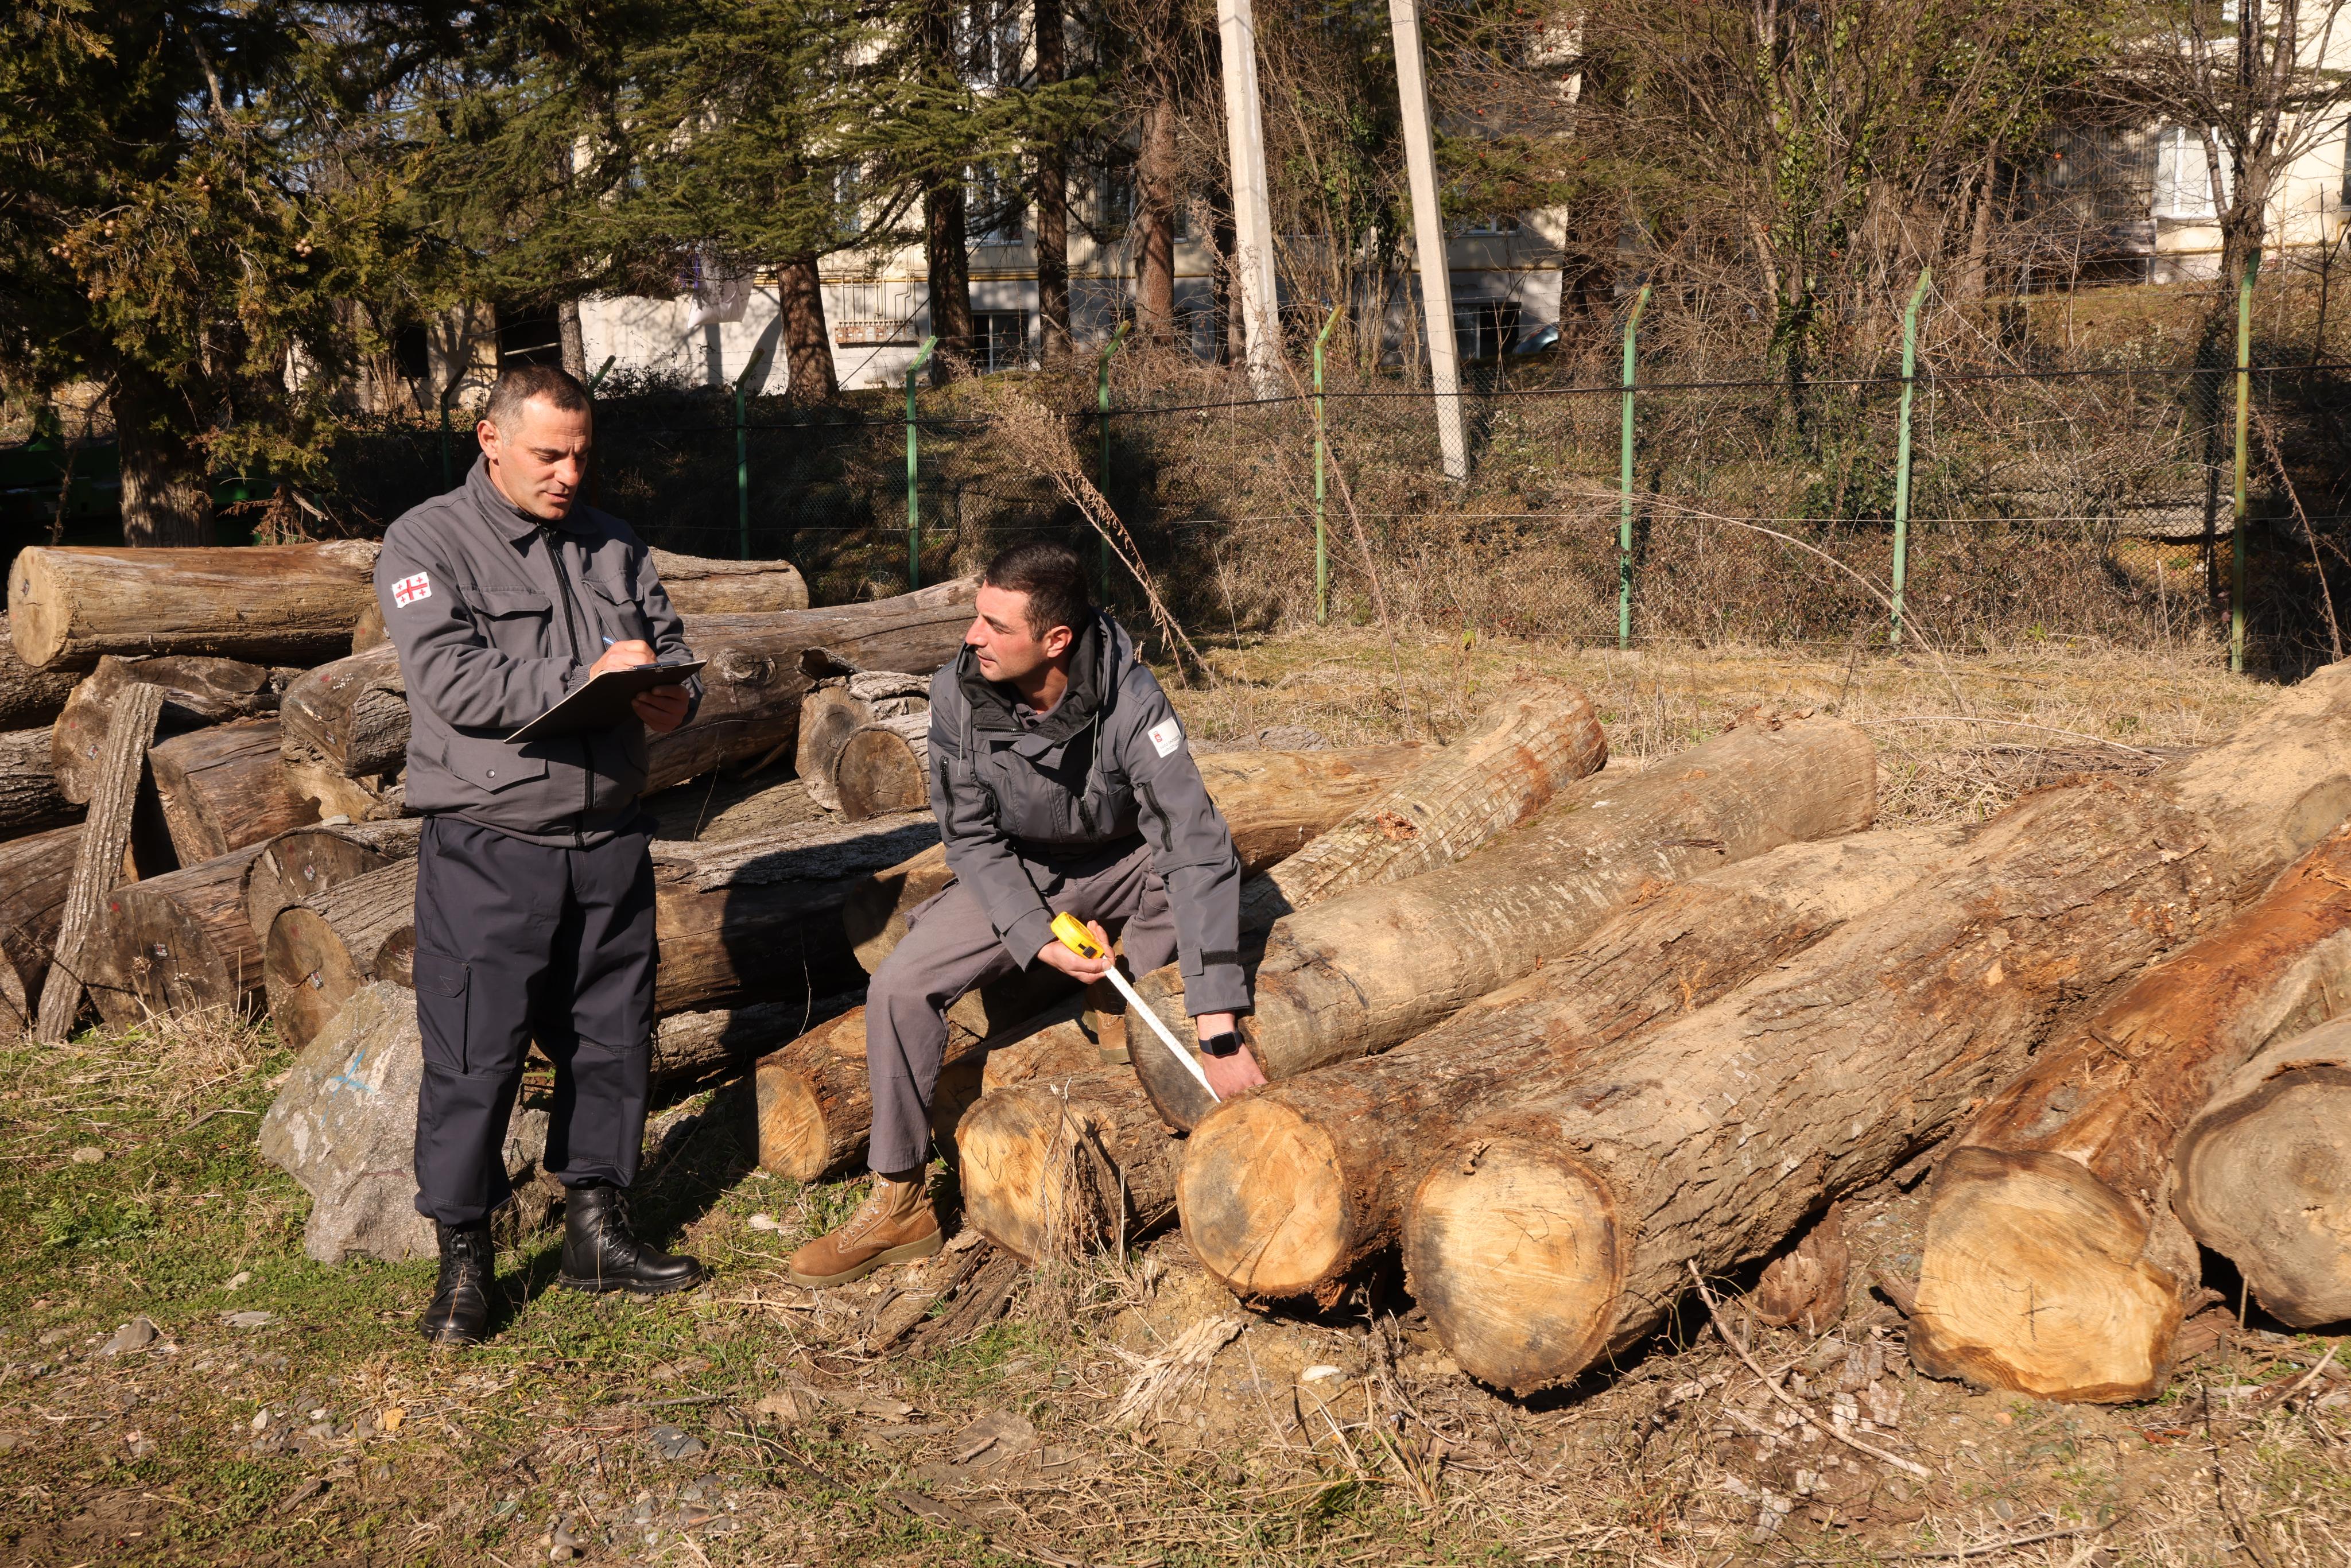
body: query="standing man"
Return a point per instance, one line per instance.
(534, 885)
(1063, 783)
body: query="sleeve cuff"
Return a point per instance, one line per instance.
(1223, 989)
(1028, 935)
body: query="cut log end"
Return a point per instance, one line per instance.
(1512, 1250)
(880, 769)
(2032, 1279)
(1030, 1182)
(310, 973)
(793, 1138)
(2265, 1179)
(1283, 1230)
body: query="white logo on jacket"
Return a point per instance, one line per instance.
(1166, 734)
(409, 590)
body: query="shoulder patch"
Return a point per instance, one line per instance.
(409, 590)
(1166, 734)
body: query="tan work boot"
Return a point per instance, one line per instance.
(895, 1224)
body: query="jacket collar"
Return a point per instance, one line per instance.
(504, 514)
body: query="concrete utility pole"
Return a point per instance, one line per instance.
(1252, 214)
(1428, 236)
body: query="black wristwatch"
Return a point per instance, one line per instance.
(1225, 1044)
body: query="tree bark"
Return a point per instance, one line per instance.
(351, 716)
(29, 797)
(323, 950)
(283, 604)
(1287, 1191)
(884, 767)
(167, 497)
(196, 692)
(1708, 1141)
(713, 811)
(35, 873)
(306, 862)
(1061, 1166)
(2050, 1266)
(1275, 802)
(28, 695)
(572, 341)
(1368, 970)
(98, 859)
(179, 945)
(809, 375)
(1155, 220)
(695, 1051)
(2263, 1178)
(225, 787)
(1051, 193)
(755, 679)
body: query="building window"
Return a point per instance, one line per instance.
(1113, 201)
(1485, 328)
(1000, 339)
(1496, 224)
(530, 337)
(411, 357)
(2183, 180)
(995, 206)
(849, 201)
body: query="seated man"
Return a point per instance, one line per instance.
(1062, 784)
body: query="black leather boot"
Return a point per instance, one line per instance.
(460, 1309)
(599, 1253)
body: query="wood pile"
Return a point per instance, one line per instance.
(200, 804)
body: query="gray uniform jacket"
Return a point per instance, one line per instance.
(1106, 770)
(497, 616)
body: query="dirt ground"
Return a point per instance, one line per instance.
(1110, 1411)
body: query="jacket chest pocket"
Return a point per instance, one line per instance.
(617, 612)
(519, 621)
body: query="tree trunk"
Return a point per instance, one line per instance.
(808, 374)
(2050, 1267)
(225, 788)
(1050, 195)
(947, 255)
(307, 863)
(29, 797)
(884, 767)
(755, 679)
(196, 692)
(283, 604)
(572, 340)
(2263, 1177)
(1155, 219)
(1273, 801)
(1287, 1192)
(34, 872)
(1056, 1050)
(28, 695)
(1368, 970)
(692, 1051)
(166, 494)
(351, 715)
(178, 945)
(98, 859)
(1708, 1141)
(1061, 1166)
(321, 951)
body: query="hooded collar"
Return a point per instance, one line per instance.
(504, 514)
(991, 701)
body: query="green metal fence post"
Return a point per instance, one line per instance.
(1321, 447)
(913, 501)
(742, 480)
(2244, 415)
(1102, 472)
(1902, 457)
(1625, 483)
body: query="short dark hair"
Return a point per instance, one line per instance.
(1052, 577)
(519, 384)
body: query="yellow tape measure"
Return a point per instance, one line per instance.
(1075, 937)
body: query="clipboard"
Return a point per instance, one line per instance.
(604, 701)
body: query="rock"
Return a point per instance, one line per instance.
(344, 1125)
(136, 1334)
(672, 1444)
(247, 1320)
(87, 1155)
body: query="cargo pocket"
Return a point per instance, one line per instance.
(442, 983)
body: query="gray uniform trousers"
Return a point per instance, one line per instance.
(949, 948)
(516, 941)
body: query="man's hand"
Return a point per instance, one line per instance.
(1085, 971)
(663, 708)
(625, 655)
(1227, 1075)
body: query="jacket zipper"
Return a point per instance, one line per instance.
(571, 635)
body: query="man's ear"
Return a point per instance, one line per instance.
(488, 435)
(1057, 642)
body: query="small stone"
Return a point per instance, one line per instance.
(56, 1335)
(261, 1418)
(87, 1155)
(136, 1334)
(239, 1280)
(672, 1444)
(247, 1320)
(763, 1222)
(561, 1554)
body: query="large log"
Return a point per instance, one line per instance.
(1287, 1191)
(695, 1051)
(837, 709)
(196, 692)
(757, 669)
(29, 797)
(2263, 1177)
(718, 808)
(281, 604)
(97, 860)
(319, 952)
(1274, 802)
(2050, 1265)
(884, 767)
(34, 872)
(179, 945)
(1546, 1235)
(225, 787)
(300, 865)
(28, 695)
(1368, 969)
(350, 714)
(1066, 1163)
(696, 585)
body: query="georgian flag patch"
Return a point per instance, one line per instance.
(409, 590)
(1166, 734)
